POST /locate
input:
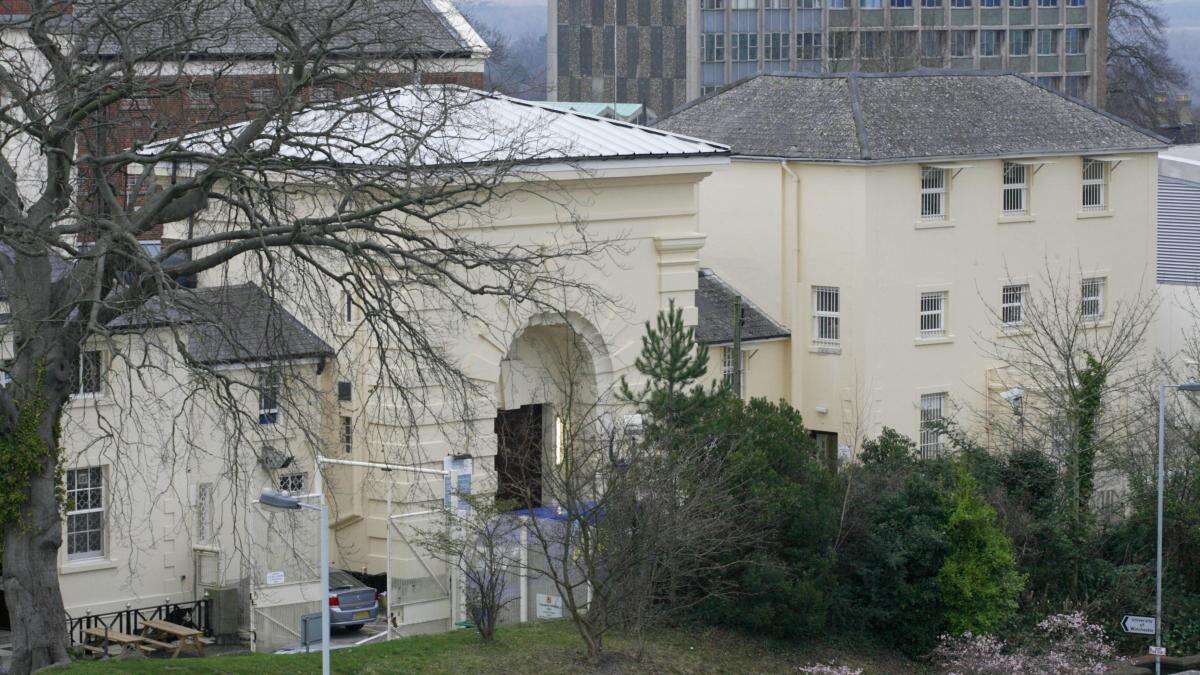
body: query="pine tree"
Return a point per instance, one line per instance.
(672, 362)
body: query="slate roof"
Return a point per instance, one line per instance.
(714, 300)
(878, 117)
(226, 28)
(433, 125)
(230, 324)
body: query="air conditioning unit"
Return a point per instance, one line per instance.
(225, 612)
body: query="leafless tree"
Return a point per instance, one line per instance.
(1140, 71)
(627, 524)
(380, 198)
(1075, 365)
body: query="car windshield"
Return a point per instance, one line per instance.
(339, 580)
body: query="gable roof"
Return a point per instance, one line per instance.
(227, 29)
(876, 117)
(714, 302)
(433, 125)
(230, 324)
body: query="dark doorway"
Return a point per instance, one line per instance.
(519, 441)
(827, 447)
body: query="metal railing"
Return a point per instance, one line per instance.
(195, 614)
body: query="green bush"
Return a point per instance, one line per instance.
(979, 580)
(792, 502)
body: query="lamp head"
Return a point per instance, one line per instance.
(278, 500)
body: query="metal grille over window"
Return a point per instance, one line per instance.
(1095, 185)
(728, 364)
(932, 413)
(88, 377)
(85, 513)
(204, 512)
(292, 483)
(933, 193)
(1012, 304)
(933, 314)
(268, 396)
(1016, 188)
(347, 434)
(826, 315)
(1092, 302)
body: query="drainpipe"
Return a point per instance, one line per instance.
(790, 283)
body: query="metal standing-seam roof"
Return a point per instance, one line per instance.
(865, 117)
(444, 124)
(714, 304)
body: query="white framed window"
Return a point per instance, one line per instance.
(1012, 304)
(827, 328)
(1091, 304)
(933, 193)
(933, 413)
(292, 483)
(204, 512)
(347, 434)
(727, 369)
(89, 374)
(962, 43)
(1018, 42)
(269, 388)
(808, 46)
(1016, 188)
(1095, 185)
(991, 42)
(743, 46)
(85, 513)
(1047, 39)
(776, 46)
(933, 314)
(713, 47)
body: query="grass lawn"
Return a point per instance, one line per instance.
(541, 648)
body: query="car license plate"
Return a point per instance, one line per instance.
(365, 614)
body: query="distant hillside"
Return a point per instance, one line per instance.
(516, 29)
(1183, 36)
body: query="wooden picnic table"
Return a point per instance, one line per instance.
(153, 629)
(97, 637)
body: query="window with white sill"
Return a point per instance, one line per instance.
(1012, 304)
(932, 315)
(933, 413)
(1091, 305)
(933, 193)
(85, 513)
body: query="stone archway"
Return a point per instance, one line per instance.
(553, 376)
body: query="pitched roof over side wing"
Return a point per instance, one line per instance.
(876, 117)
(714, 302)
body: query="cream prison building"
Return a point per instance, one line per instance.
(162, 511)
(884, 229)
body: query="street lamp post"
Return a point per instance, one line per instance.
(1158, 576)
(282, 500)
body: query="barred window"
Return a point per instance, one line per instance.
(826, 315)
(776, 45)
(933, 314)
(85, 513)
(808, 46)
(933, 193)
(204, 512)
(292, 483)
(1016, 188)
(933, 412)
(1092, 298)
(728, 367)
(269, 386)
(89, 376)
(714, 47)
(347, 434)
(744, 46)
(1012, 304)
(1095, 185)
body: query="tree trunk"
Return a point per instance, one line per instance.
(35, 605)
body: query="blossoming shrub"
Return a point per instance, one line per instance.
(1062, 644)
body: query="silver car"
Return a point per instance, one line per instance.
(352, 604)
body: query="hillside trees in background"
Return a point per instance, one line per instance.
(1139, 69)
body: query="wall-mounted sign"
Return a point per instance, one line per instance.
(275, 578)
(549, 606)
